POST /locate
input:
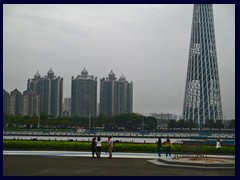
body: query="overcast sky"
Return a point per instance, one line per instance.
(148, 44)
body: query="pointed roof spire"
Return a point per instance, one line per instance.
(84, 72)
(37, 76)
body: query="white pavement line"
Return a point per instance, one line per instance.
(186, 166)
(79, 154)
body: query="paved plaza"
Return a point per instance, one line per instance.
(66, 163)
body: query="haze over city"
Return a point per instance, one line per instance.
(148, 44)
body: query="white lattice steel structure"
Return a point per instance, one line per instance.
(202, 100)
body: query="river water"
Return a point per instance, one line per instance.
(117, 136)
(104, 139)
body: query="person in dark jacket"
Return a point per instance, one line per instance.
(159, 147)
(98, 147)
(93, 146)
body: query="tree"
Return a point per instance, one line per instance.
(219, 124)
(210, 124)
(231, 124)
(172, 124)
(191, 124)
(150, 123)
(181, 124)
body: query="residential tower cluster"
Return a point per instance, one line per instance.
(45, 94)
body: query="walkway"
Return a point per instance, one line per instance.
(62, 163)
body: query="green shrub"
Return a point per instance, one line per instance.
(118, 147)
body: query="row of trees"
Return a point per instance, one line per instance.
(126, 121)
(219, 124)
(123, 122)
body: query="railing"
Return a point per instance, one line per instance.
(188, 149)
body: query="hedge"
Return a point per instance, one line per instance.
(118, 147)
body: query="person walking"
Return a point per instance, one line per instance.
(168, 147)
(159, 147)
(98, 147)
(218, 145)
(93, 146)
(110, 146)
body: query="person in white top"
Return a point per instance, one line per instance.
(110, 146)
(218, 145)
(98, 147)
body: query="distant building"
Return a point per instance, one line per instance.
(66, 107)
(163, 118)
(5, 102)
(15, 102)
(30, 103)
(33, 84)
(50, 89)
(116, 96)
(84, 95)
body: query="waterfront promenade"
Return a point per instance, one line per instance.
(73, 163)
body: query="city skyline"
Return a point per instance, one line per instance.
(148, 44)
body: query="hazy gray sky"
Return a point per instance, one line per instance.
(148, 44)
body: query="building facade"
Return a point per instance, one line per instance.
(84, 95)
(50, 90)
(66, 107)
(30, 103)
(15, 102)
(5, 102)
(116, 96)
(202, 99)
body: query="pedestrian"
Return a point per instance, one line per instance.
(98, 147)
(159, 147)
(110, 146)
(93, 146)
(168, 147)
(218, 145)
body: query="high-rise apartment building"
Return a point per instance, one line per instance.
(116, 96)
(5, 101)
(50, 89)
(15, 102)
(30, 103)
(33, 83)
(66, 107)
(202, 100)
(84, 95)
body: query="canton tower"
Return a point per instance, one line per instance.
(202, 99)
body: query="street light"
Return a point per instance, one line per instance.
(38, 120)
(142, 123)
(89, 122)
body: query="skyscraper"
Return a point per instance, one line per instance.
(66, 107)
(50, 89)
(30, 103)
(202, 100)
(15, 102)
(5, 101)
(116, 96)
(84, 95)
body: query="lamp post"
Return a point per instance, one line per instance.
(89, 122)
(38, 120)
(142, 123)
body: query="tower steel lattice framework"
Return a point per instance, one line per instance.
(202, 99)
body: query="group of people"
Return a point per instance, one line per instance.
(167, 143)
(96, 146)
